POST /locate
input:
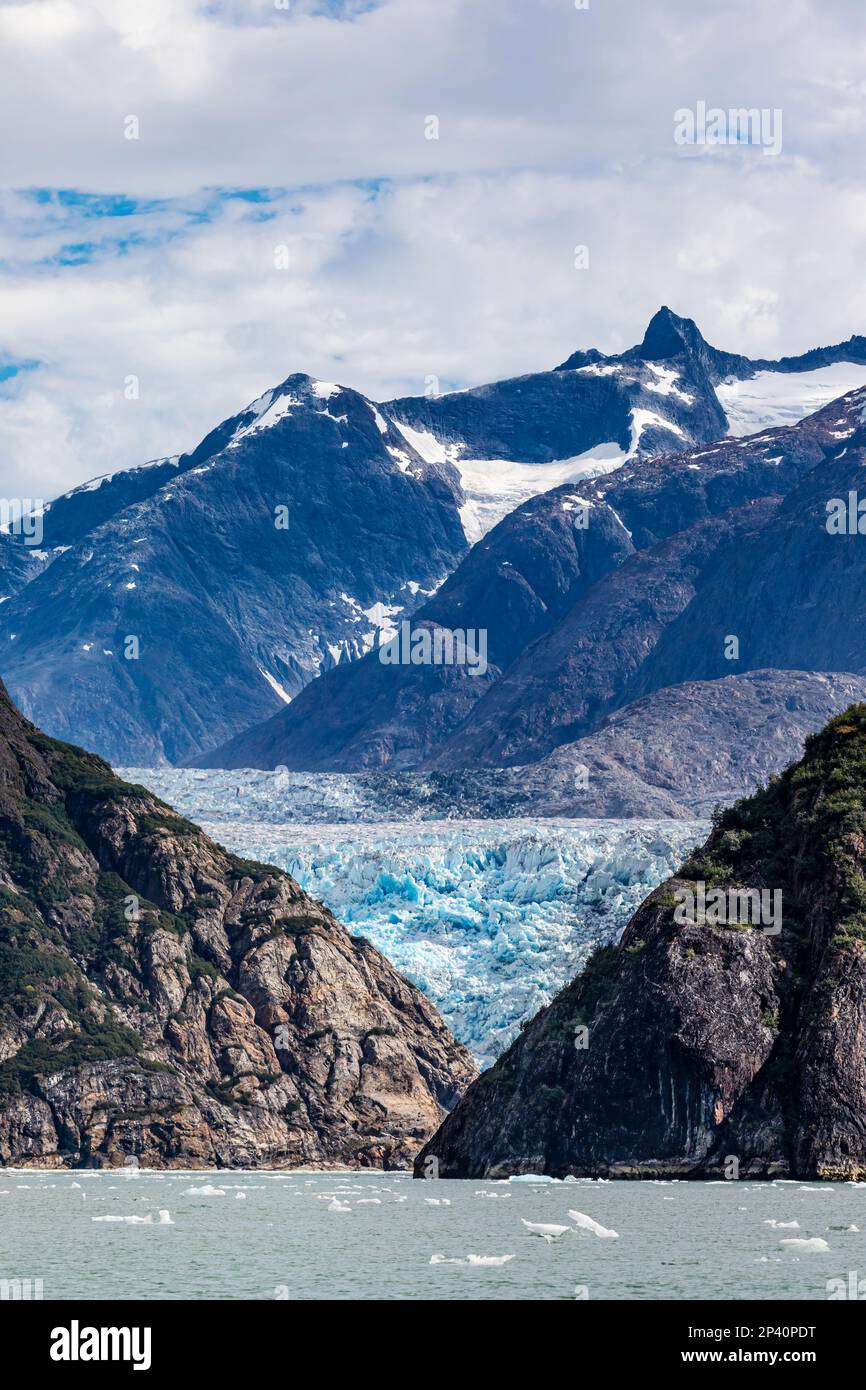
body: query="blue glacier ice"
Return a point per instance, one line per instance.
(489, 917)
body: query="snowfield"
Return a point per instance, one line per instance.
(769, 399)
(489, 917)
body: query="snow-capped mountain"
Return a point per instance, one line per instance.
(173, 605)
(573, 612)
(597, 411)
(194, 597)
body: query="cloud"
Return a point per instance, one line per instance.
(305, 128)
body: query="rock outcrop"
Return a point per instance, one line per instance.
(694, 1043)
(166, 1003)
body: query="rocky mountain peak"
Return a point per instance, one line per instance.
(668, 335)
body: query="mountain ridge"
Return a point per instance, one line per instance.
(532, 583)
(156, 584)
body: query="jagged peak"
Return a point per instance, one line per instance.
(668, 334)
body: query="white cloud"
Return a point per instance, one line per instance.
(555, 129)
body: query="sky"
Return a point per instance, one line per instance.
(283, 208)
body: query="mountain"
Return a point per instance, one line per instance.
(165, 1002)
(513, 585)
(173, 605)
(712, 1033)
(19, 564)
(288, 540)
(799, 590)
(731, 736)
(574, 590)
(597, 410)
(607, 649)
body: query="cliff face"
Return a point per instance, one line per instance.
(162, 1000)
(693, 1043)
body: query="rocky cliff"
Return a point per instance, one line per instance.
(164, 1001)
(703, 1038)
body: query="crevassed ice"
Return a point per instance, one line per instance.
(488, 917)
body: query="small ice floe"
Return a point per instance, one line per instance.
(438, 1201)
(369, 1202)
(545, 1229)
(240, 1196)
(75, 1184)
(530, 1177)
(477, 1260)
(814, 1189)
(206, 1191)
(504, 1196)
(337, 1205)
(783, 1225)
(815, 1243)
(164, 1219)
(586, 1223)
(843, 1228)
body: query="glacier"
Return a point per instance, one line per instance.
(488, 917)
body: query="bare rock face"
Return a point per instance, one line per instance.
(698, 1043)
(164, 1002)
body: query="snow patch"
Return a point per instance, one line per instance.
(495, 487)
(769, 399)
(645, 419)
(269, 409)
(666, 383)
(275, 686)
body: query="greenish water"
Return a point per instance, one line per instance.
(281, 1236)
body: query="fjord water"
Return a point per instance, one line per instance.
(303, 1235)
